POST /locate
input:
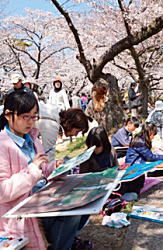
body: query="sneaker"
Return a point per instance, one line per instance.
(79, 244)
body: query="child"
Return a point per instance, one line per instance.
(23, 163)
(103, 156)
(139, 151)
(122, 137)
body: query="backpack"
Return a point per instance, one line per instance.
(113, 204)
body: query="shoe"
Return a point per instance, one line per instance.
(79, 244)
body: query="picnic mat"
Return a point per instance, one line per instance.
(150, 182)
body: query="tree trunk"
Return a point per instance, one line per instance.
(143, 87)
(112, 115)
(141, 73)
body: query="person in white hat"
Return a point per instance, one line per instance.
(156, 117)
(17, 81)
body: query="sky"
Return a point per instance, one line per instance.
(16, 7)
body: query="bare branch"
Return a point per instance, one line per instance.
(129, 3)
(28, 31)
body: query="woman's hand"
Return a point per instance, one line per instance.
(39, 159)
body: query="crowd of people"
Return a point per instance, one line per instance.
(29, 128)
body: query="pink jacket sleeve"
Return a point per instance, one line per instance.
(16, 178)
(47, 168)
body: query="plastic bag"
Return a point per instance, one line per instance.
(116, 220)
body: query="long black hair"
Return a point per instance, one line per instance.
(146, 130)
(97, 136)
(20, 102)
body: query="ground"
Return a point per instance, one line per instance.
(139, 235)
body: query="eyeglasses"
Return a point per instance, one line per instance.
(28, 117)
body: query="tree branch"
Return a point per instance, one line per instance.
(127, 42)
(125, 69)
(54, 52)
(18, 59)
(86, 63)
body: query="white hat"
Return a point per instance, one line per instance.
(15, 78)
(159, 105)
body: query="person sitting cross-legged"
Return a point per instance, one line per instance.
(123, 136)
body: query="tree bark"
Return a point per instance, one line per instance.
(112, 115)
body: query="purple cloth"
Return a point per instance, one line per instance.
(149, 182)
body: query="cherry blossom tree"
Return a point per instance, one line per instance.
(33, 41)
(97, 32)
(142, 62)
(137, 55)
(95, 68)
(41, 52)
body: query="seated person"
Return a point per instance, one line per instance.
(156, 117)
(123, 136)
(103, 156)
(139, 151)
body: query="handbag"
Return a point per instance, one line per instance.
(136, 102)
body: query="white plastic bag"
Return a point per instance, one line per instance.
(116, 220)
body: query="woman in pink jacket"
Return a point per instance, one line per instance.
(22, 163)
